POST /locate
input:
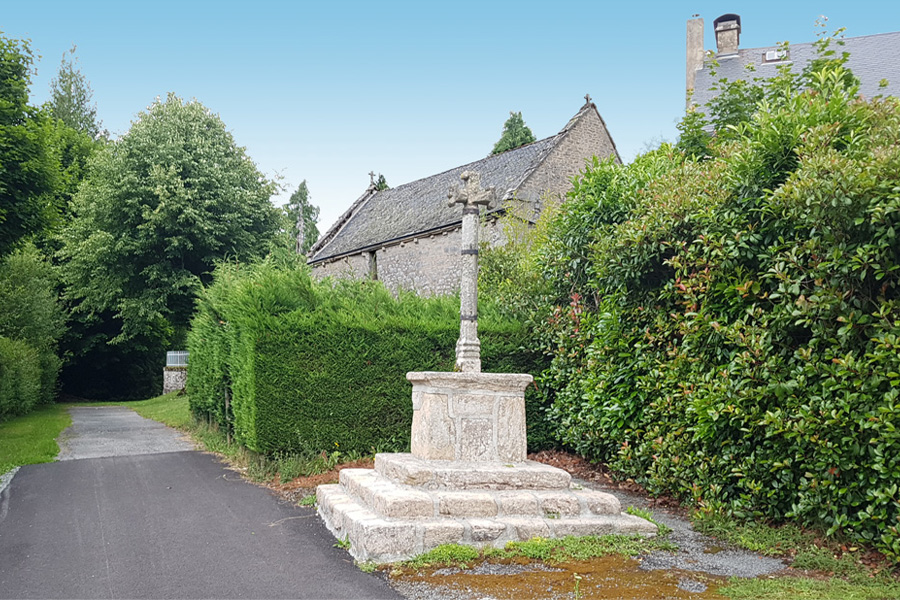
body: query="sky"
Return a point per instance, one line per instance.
(328, 91)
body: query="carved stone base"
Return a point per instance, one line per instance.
(407, 505)
(469, 416)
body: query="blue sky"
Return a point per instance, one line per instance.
(328, 91)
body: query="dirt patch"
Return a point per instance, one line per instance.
(608, 577)
(301, 487)
(599, 474)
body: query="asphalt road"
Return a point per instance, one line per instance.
(164, 525)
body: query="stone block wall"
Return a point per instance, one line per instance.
(552, 179)
(428, 265)
(174, 379)
(355, 266)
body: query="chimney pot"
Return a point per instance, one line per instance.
(728, 34)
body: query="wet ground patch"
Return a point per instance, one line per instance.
(520, 578)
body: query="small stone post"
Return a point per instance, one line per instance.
(471, 196)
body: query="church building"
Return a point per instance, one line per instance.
(409, 238)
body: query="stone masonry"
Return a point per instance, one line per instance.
(174, 379)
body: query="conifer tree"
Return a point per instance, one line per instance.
(70, 98)
(515, 133)
(303, 217)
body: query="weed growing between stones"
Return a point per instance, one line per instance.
(643, 513)
(307, 500)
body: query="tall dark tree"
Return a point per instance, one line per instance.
(381, 183)
(71, 98)
(27, 171)
(302, 217)
(515, 133)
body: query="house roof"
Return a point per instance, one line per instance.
(872, 58)
(420, 207)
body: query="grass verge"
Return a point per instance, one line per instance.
(31, 439)
(838, 571)
(548, 550)
(802, 588)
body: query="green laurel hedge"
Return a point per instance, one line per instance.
(321, 365)
(727, 321)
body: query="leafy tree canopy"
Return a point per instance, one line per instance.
(162, 205)
(302, 217)
(27, 171)
(381, 183)
(515, 133)
(70, 98)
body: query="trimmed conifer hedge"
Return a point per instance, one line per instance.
(293, 364)
(20, 378)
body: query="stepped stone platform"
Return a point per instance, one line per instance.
(408, 505)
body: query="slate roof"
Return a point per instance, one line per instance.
(872, 58)
(420, 207)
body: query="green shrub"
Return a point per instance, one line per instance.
(320, 366)
(727, 323)
(20, 378)
(32, 315)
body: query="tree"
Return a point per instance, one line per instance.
(302, 217)
(163, 204)
(515, 133)
(28, 175)
(381, 183)
(70, 98)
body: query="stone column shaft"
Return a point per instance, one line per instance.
(468, 348)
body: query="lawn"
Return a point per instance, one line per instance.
(32, 439)
(170, 409)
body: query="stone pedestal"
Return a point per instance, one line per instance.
(174, 379)
(469, 416)
(467, 480)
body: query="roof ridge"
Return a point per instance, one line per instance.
(335, 229)
(488, 157)
(844, 39)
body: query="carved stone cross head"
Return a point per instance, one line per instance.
(471, 192)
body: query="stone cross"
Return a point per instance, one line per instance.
(471, 196)
(371, 177)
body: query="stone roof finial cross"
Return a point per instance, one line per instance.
(587, 98)
(371, 177)
(472, 197)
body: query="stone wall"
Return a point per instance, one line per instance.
(552, 179)
(174, 379)
(355, 267)
(428, 265)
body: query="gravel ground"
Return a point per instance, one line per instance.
(697, 553)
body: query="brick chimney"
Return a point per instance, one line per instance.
(694, 54)
(728, 34)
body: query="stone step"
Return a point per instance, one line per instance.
(376, 538)
(388, 499)
(406, 469)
